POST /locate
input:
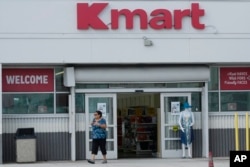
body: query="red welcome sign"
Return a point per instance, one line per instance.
(28, 80)
(235, 78)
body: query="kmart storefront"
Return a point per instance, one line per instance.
(134, 58)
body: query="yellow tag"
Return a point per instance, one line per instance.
(175, 128)
(151, 111)
(138, 111)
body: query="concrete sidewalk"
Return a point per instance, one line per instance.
(145, 162)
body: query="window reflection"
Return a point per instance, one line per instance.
(235, 101)
(214, 79)
(62, 103)
(80, 103)
(213, 101)
(28, 103)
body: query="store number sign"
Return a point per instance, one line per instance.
(235, 78)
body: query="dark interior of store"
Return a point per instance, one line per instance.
(137, 125)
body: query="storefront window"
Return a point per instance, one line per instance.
(62, 92)
(80, 103)
(184, 85)
(214, 79)
(59, 80)
(25, 103)
(230, 97)
(41, 92)
(91, 86)
(62, 103)
(213, 101)
(196, 101)
(235, 101)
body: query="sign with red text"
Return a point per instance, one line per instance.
(88, 16)
(28, 80)
(235, 78)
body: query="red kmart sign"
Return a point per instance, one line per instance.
(158, 19)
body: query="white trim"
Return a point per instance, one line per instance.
(169, 153)
(163, 91)
(205, 122)
(112, 154)
(121, 36)
(231, 113)
(35, 116)
(146, 74)
(72, 123)
(133, 90)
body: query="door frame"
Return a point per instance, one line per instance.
(110, 154)
(203, 90)
(170, 153)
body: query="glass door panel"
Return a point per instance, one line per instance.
(107, 104)
(171, 106)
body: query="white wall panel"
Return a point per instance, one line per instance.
(226, 121)
(136, 74)
(93, 51)
(226, 16)
(59, 16)
(44, 31)
(41, 124)
(38, 16)
(133, 50)
(197, 119)
(124, 51)
(221, 121)
(220, 50)
(80, 122)
(45, 50)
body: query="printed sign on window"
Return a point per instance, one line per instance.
(231, 106)
(175, 107)
(28, 80)
(235, 78)
(103, 108)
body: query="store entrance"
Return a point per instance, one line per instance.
(143, 124)
(137, 129)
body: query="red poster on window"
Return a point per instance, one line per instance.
(28, 80)
(235, 78)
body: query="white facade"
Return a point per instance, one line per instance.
(46, 32)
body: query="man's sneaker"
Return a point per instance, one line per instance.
(104, 161)
(90, 161)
